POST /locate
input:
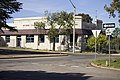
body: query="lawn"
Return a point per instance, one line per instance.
(114, 63)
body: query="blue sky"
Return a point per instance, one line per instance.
(35, 8)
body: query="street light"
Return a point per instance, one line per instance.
(73, 26)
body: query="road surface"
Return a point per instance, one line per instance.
(72, 67)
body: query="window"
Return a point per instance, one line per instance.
(42, 38)
(56, 39)
(8, 38)
(29, 38)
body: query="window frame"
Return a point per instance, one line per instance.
(7, 38)
(41, 38)
(56, 39)
(29, 38)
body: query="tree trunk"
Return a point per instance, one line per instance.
(54, 44)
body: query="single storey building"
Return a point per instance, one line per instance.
(29, 37)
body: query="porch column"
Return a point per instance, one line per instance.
(36, 42)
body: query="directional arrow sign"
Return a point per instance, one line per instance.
(108, 25)
(96, 32)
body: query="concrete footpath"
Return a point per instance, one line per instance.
(8, 53)
(29, 56)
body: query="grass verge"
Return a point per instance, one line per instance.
(114, 63)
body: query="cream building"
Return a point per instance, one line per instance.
(29, 37)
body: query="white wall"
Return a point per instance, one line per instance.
(49, 46)
(28, 23)
(23, 41)
(78, 22)
(45, 45)
(13, 41)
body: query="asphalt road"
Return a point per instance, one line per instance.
(72, 67)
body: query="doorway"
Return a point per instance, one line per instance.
(19, 41)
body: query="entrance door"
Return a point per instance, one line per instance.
(19, 41)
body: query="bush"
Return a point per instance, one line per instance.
(112, 51)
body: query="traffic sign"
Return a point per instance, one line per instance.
(109, 31)
(108, 25)
(96, 32)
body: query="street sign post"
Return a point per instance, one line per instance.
(96, 34)
(108, 27)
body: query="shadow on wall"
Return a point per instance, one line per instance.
(41, 75)
(2, 42)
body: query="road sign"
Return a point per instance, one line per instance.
(96, 32)
(108, 25)
(109, 31)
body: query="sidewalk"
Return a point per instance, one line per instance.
(29, 56)
(9, 53)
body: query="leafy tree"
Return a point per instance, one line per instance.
(116, 32)
(101, 41)
(115, 43)
(39, 25)
(8, 7)
(114, 7)
(86, 17)
(60, 23)
(53, 32)
(65, 22)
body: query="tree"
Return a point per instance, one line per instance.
(114, 7)
(101, 41)
(66, 22)
(115, 43)
(53, 32)
(85, 17)
(39, 25)
(8, 7)
(60, 23)
(116, 32)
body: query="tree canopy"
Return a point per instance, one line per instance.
(39, 25)
(63, 20)
(116, 32)
(101, 41)
(8, 7)
(113, 8)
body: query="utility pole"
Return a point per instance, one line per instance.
(73, 26)
(96, 37)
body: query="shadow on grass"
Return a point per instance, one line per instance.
(9, 51)
(41, 75)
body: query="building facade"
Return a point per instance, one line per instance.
(29, 37)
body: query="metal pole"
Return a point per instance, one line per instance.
(96, 36)
(109, 51)
(95, 44)
(74, 32)
(60, 43)
(73, 26)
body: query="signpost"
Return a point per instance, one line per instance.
(96, 34)
(108, 27)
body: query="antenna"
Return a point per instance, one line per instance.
(46, 13)
(96, 17)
